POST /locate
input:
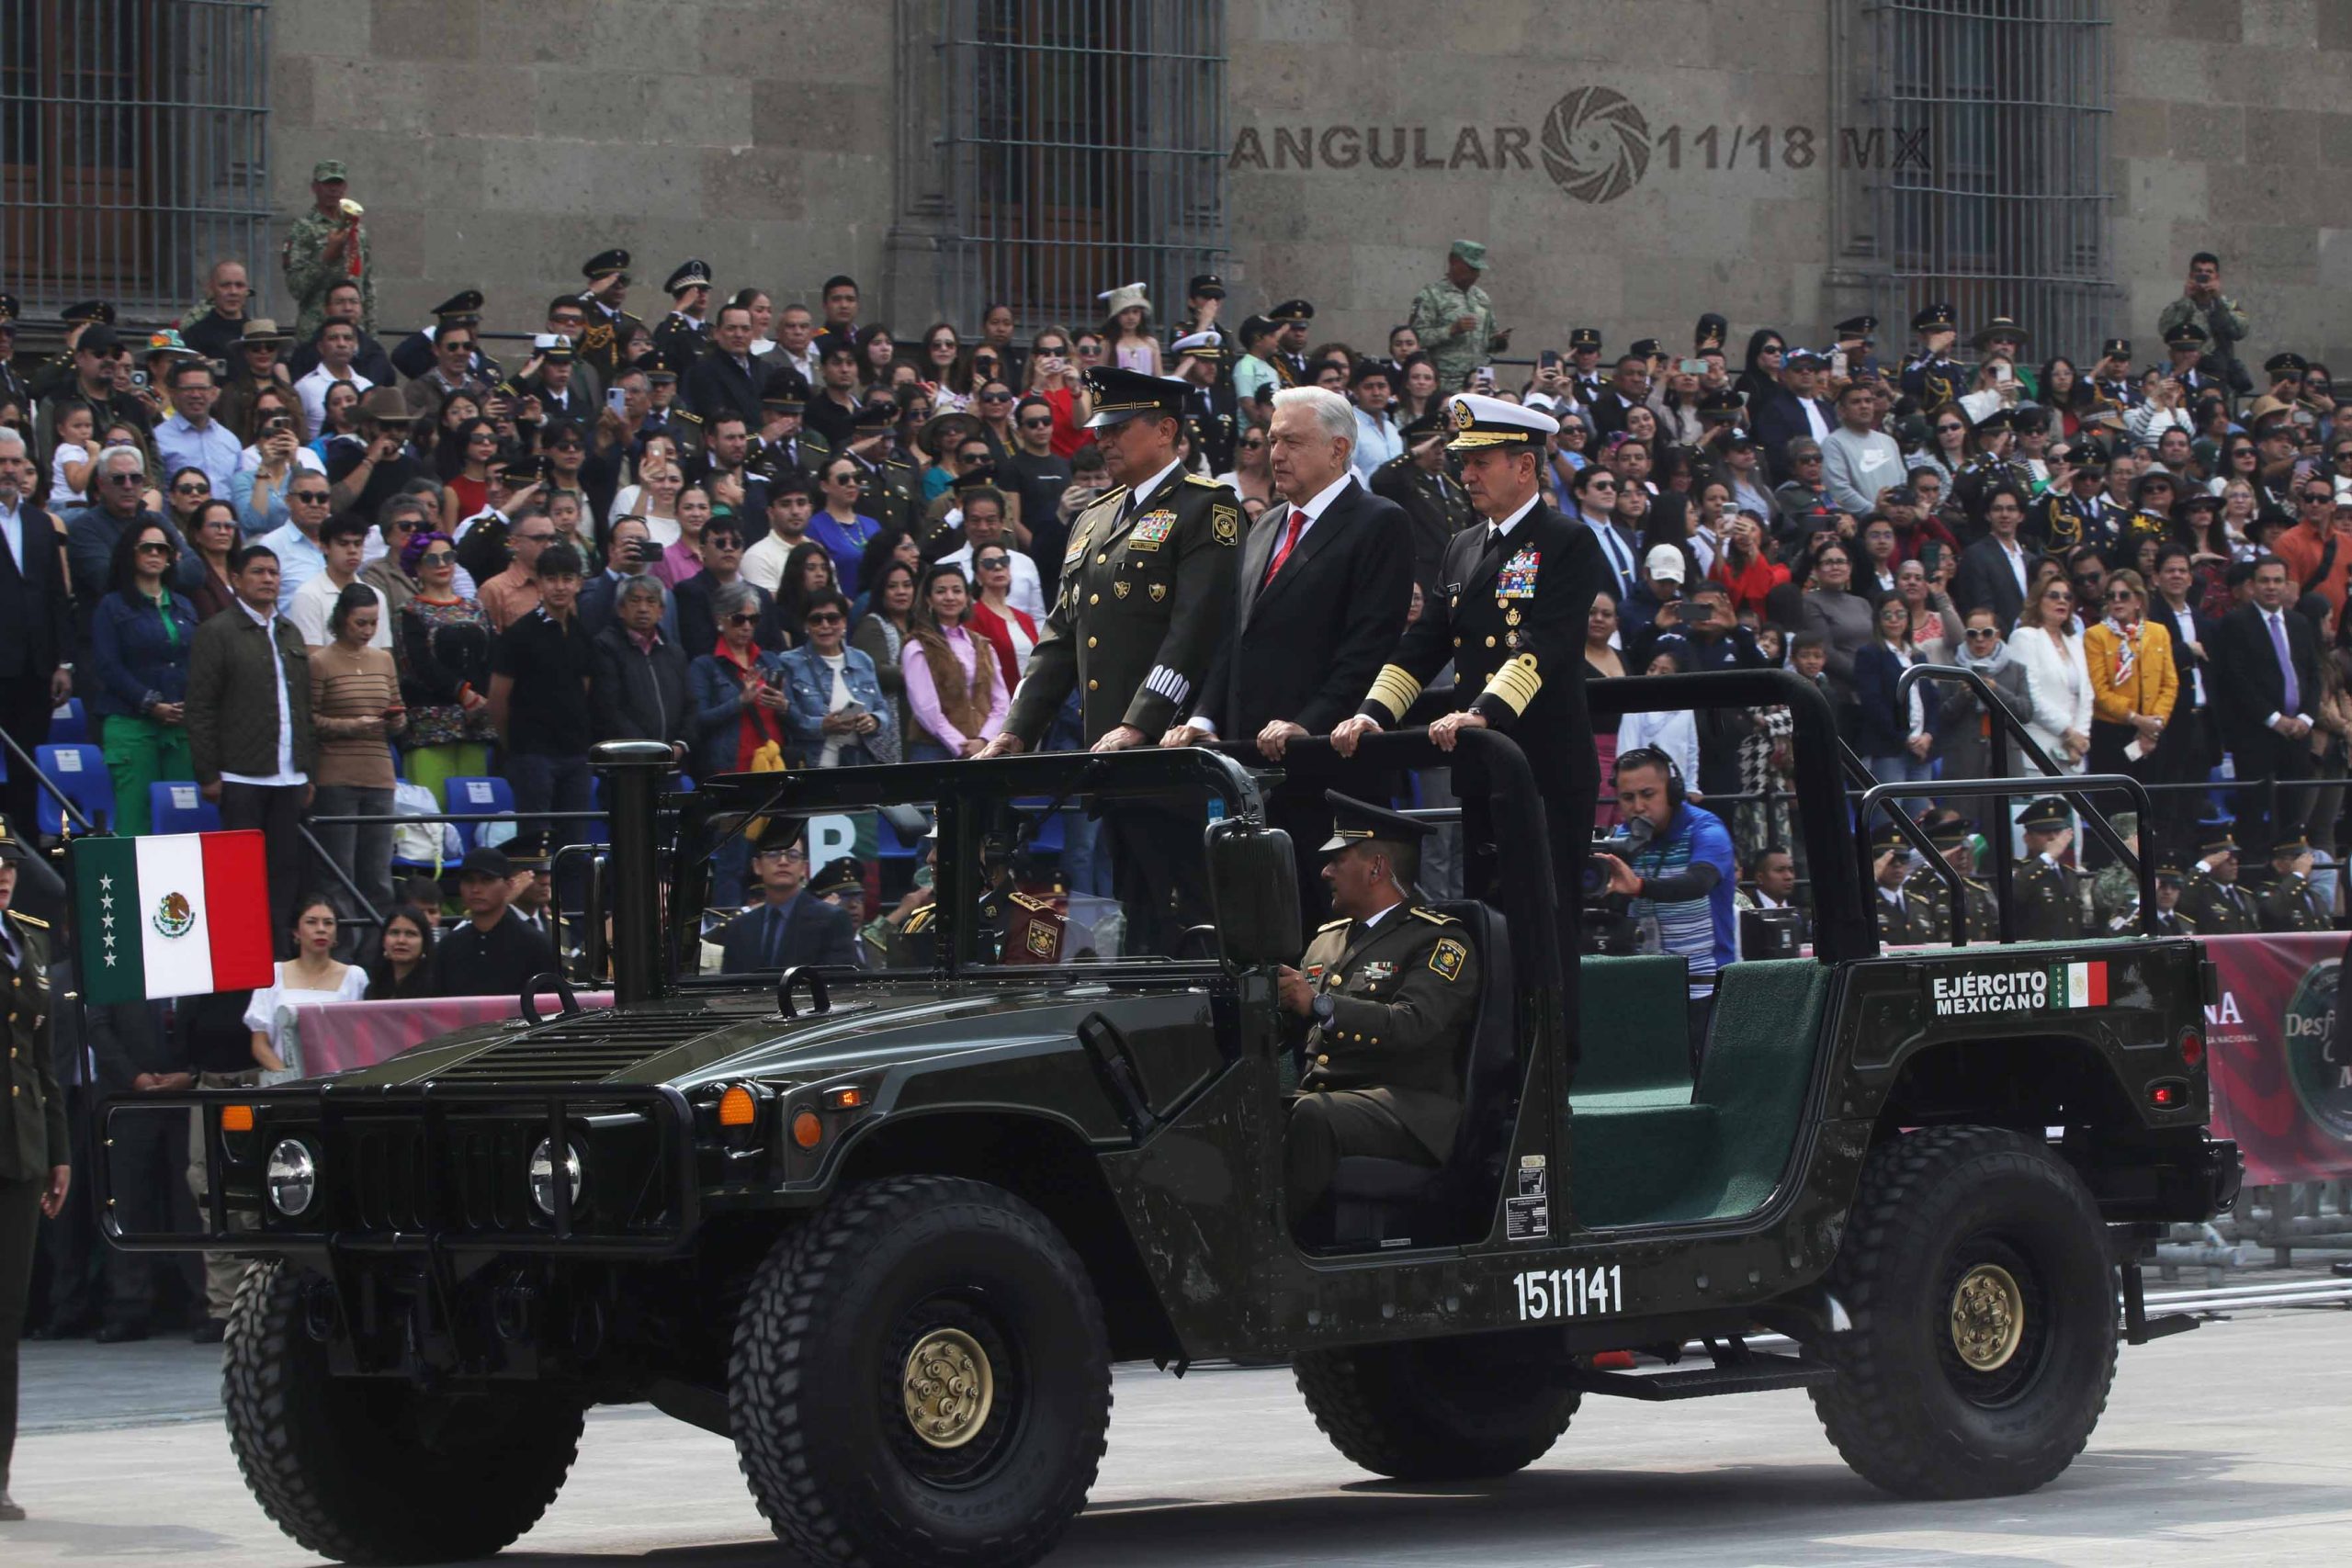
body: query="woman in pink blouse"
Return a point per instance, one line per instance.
(953, 688)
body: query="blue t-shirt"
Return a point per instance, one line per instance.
(1702, 929)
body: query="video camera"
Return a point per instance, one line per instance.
(1604, 927)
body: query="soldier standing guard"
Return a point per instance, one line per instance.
(325, 247)
(34, 1172)
(1146, 600)
(1455, 320)
(2292, 905)
(2213, 899)
(2047, 891)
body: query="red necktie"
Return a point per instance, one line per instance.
(1298, 521)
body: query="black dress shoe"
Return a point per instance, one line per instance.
(72, 1328)
(120, 1333)
(212, 1331)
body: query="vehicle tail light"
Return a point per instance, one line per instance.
(2192, 1047)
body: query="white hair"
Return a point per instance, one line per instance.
(1332, 412)
(138, 458)
(13, 438)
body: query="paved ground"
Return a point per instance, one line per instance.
(2229, 1445)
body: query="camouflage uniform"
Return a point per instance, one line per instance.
(1455, 355)
(310, 275)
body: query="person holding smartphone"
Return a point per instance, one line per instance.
(1454, 319)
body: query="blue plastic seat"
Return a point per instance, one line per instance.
(466, 795)
(178, 806)
(70, 725)
(80, 770)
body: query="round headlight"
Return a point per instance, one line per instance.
(292, 1178)
(543, 1176)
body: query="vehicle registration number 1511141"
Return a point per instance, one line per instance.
(1596, 1291)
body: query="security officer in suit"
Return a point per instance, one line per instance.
(1932, 375)
(604, 339)
(1290, 352)
(412, 355)
(1146, 599)
(1955, 838)
(34, 1169)
(2049, 893)
(1510, 612)
(2213, 899)
(683, 335)
(2292, 904)
(1381, 998)
(1420, 480)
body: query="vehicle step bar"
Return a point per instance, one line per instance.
(1750, 1373)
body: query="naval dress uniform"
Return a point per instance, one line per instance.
(1146, 600)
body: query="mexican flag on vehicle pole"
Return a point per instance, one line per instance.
(172, 915)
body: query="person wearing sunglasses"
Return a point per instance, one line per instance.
(836, 715)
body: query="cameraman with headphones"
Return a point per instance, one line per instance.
(1681, 882)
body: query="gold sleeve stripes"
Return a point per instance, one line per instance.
(1394, 689)
(1516, 684)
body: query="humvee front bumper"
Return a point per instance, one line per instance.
(432, 1170)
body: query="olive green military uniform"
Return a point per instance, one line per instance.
(2049, 901)
(32, 1141)
(1932, 900)
(2220, 908)
(1381, 1078)
(309, 273)
(1453, 354)
(1903, 918)
(1437, 505)
(2292, 905)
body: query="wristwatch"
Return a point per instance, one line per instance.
(1324, 1008)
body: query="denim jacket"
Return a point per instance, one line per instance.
(135, 663)
(811, 694)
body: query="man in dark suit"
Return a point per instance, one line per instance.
(725, 380)
(1994, 570)
(1792, 408)
(1628, 389)
(35, 619)
(2191, 741)
(1511, 616)
(1325, 585)
(789, 926)
(2266, 659)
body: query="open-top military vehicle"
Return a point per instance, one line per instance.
(891, 1229)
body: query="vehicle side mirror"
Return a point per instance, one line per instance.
(1253, 883)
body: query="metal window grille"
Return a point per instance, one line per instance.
(1082, 145)
(133, 150)
(1972, 163)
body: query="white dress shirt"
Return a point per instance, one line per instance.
(288, 775)
(312, 391)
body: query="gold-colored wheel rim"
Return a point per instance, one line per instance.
(948, 1388)
(1987, 1317)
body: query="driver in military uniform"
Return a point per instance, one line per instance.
(1932, 375)
(34, 1171)
(1146, 599)
(2048, 892)
(1381, 998)
(2213, 899)
(2292, 904)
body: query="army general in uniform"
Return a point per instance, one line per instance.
(2048, 892)
(1384, 994)
(1146, 600)
(34, 1174)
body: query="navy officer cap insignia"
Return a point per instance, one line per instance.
(1478, 421)
(1205, 345)
(1357, 821)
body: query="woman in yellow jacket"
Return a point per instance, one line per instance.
(2132, 679)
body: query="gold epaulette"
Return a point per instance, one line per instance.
(919, 921)
(1030, 903)
(33, 921)
(1333, 925)
(1113, 494)
(1432, 916)
(1204, 482)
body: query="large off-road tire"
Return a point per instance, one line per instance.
(1439, 1409)
(369, 1470)
(920, 1378)
(1975, 1268)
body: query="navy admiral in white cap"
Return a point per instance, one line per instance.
(1509, 612)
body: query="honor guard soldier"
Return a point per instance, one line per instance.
(1955, 838)
(2111, 377)
(2292, 904)
(603, 341)
(1384, 994)
(1420, 480)
(1903, 912)
(1585, 373)
(414, 356)
(1513, 599)
(34, 1169)
(1931, 375)
(1205, 301)
(1146, 600)
(2048, 892)
(2186, 341)
(1290, 318)
(1209, 404)
(2213, 899)
(1855, 340)
(683, 335)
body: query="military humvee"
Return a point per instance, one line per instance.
(889, 1229)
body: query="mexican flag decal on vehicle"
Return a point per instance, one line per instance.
(172, 915)
(2078, 985)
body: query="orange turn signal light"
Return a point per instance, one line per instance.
(737, 1108)
(848, 1099)
(808, 1129)
(236, 1118)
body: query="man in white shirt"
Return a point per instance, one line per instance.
(296, 541)
(343, 542)
(1376, 437)
(1858, 460)
(983, 526)
(338, 346)
(796, 345)
(192, 438)
(792, 502)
